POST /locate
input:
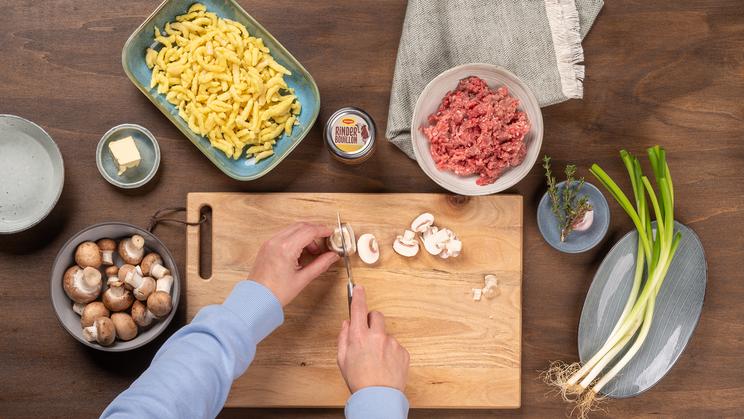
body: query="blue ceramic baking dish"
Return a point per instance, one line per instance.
(133, 60)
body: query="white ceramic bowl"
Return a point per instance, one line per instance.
(429, 101)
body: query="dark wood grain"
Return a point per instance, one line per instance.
(668, 72)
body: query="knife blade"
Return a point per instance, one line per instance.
(350, 281)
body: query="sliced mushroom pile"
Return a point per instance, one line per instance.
(437, 241)
(137, 292)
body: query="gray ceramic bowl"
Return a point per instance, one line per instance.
(65, 258)
(149, 151)
(32, 174)
(578, 241)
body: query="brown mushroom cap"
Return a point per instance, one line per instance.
(88, 254)
(117, 298)
(146, 288)
(159, 303)
(126, 329)
(92, 312)
(106, 245)
(132, 250)
(150, 260)
(112, 270)
(141, 315)
(105, 331)
(81, 285)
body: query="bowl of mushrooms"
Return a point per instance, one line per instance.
(114, 286)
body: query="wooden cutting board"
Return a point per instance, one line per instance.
(464, 354)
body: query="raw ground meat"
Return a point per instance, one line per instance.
(477, 130)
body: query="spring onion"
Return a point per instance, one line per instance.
(582, 384)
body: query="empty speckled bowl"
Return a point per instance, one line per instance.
(149, 151)
(66, 258)
(32, 174)
(577, 241)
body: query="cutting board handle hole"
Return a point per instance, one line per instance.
(205, 243)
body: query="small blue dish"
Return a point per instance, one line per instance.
(149, 151)
(577, 241)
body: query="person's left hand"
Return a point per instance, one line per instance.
(278, 267)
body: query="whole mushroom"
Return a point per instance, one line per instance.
(340, 238)
(126, 328)
(127, 274)
(142, 315)
(117, 298)
(82, 285)
(152, 265)
(142, 286)
(132, 250)
(112, 276)
(78, 308)
(88, 254)
(102, 331)
(159, 303)
(107, 247)
(92, 312)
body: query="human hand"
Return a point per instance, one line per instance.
(368, 356)
(277, 265)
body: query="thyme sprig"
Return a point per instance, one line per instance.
(568, 207)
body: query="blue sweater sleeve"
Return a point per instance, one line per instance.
(191, 375)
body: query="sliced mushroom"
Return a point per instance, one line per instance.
(422, 222)
(82, 285)
(117, 298)
(142, 315)
(159, 303)
(107, 247)
(477, 293)
(92, 312)
(368, 249)
(491, 288)
(88, 254)
(126, 328)
(406, 244)
(152, 265)
(102, 331)
(349, 240)
(429, 238)
(132, 250)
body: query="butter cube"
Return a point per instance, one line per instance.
(125, 154)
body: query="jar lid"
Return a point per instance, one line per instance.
(350, 133)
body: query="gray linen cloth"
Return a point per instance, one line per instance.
(538, 40)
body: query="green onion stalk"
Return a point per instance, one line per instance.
(582, 384)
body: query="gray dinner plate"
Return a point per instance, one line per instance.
(676, 314)
(32, 174)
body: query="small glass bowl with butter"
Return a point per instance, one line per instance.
(128, 156)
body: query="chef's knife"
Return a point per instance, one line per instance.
(350, 281)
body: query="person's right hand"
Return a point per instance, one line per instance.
(368, 356)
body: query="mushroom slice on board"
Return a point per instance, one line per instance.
(132, 250)
(82, 285)
(126, 328)
(406, 244)
(88, 254)
(102, 331)
(422, 222)
(368, 249)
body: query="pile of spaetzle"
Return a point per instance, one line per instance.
(224, 82)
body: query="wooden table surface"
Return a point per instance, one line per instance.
(668, 72)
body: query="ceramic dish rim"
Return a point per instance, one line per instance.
(150, 174)
(486, 190)
(211, 156)
(60, 181)
(176, 296)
